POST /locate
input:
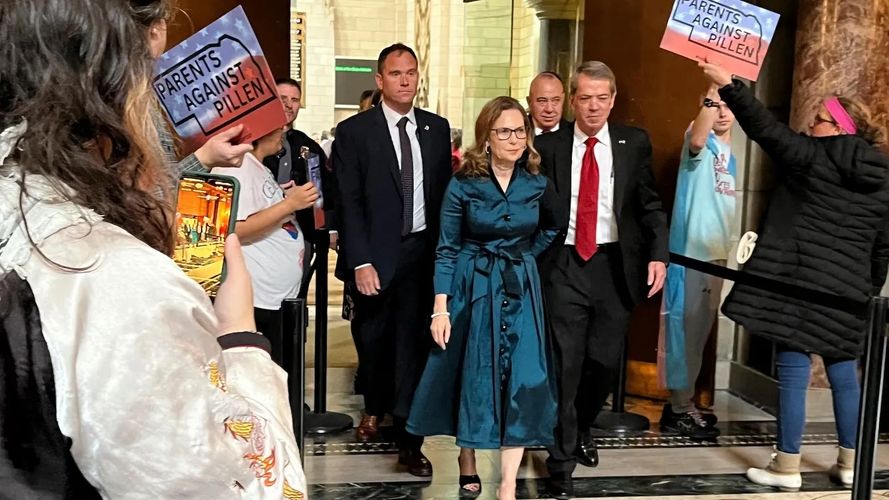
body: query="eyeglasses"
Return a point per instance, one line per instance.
(503, 133)
(821, 119)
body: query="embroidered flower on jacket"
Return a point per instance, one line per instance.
(263, 467)
(215, 376)
(291, 493)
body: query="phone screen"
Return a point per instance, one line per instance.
(206, 213)
(313, 175)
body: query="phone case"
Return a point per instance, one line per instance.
(313, 175)
(232, 220)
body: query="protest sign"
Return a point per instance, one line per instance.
(731, 33)
(216, 79)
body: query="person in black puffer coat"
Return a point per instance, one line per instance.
(825, 229)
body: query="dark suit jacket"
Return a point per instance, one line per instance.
(306, 217)
(369, 188)
(641, 220)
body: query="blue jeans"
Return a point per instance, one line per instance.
(793, 382)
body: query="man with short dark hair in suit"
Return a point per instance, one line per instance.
(612, 256)
(393, 164)
(546, 97)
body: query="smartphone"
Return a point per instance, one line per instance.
(312, 165)
(206, 212)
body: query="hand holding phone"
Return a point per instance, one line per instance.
(300, 197)
(234, 300)
(206, 212)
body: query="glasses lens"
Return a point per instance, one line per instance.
(520, 133)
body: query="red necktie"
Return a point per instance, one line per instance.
(587, 203)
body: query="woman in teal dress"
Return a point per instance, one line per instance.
(489, 380)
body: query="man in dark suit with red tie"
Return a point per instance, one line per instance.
(393, 164)
(612, 256)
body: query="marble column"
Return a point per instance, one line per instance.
(841, 46)
(560, 39)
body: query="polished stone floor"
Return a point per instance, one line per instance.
(639, 465)
(625, 473)
(633, 465)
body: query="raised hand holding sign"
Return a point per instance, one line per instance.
(731, 33)
(216, 79)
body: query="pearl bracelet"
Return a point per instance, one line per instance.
(435, 315)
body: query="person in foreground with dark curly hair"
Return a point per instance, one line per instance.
(118, 379)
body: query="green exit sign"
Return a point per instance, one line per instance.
(354, 69)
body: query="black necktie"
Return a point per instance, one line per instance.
(407, 178)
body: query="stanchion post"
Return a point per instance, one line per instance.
(871, 395)
(618, 419)
(322, 251)
(294, 323)
(321, 421)
(619, 397)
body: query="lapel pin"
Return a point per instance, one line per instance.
(621, 141)
(426, 127)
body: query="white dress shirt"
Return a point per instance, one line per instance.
(606, 224)
(538, 130)
(392, 118)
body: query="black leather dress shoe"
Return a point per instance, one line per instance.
(559, 486)
(416, 462)
(587, 452)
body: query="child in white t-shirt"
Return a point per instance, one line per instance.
(272, 240)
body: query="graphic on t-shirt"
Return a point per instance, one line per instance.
(291, 229)
(722, 176)
(270, 188)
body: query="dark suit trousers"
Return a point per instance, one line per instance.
(589, 312)
(392, 335)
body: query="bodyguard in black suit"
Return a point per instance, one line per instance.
(612, 256)
(393, 163)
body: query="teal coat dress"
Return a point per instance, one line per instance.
(494, 385)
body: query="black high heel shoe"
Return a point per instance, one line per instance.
(466, 481)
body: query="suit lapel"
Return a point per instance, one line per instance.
(562, 166)
(618, 165)
(389, 159)
(425, 139)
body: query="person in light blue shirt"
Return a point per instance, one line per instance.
(703, 227)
